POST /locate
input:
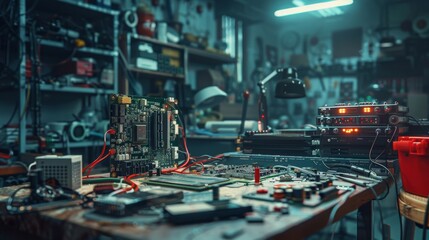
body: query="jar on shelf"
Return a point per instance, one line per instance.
(146, 23)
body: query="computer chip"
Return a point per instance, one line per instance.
(140, 133)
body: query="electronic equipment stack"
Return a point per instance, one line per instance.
(361, 130)
(293, 142)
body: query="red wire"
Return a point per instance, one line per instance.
(4, 155)
(133, 185)
(103, 150)
(97, 161)
(201, 162)
(188, 156)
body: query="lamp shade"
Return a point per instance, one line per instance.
(209, 97)
(290, 86)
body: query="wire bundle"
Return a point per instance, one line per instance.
(100, 157)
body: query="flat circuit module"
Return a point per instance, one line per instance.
(146, 134)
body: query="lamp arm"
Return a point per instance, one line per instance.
(262, 102)
(262, 111)
(246, 95)
(268, 78)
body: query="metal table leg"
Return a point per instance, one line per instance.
(364, 222)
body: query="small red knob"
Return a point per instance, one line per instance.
(246, 94)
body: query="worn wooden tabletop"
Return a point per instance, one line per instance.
(78, 223)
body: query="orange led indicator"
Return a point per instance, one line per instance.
(350, 130)
(342, 110)
(366, 109)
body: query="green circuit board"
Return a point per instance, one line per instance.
(146, 134)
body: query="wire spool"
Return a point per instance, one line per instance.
(131, 19)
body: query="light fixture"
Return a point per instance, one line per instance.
(330, 12)
(288, 87)
(205, 98)
(312, 7)
(209, 97)
(386, 42)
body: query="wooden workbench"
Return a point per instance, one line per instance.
(74, 223)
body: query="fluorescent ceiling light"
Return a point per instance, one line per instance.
(312, 7)
(329, 12)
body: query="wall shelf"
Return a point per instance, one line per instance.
(195, 54)
(155, 73)
(207, 57)
(155, 41)
(79, 7)
(71, 89)
(154, 52)
(82, 144)
(99, 51)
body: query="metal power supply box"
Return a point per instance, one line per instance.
(66, 169)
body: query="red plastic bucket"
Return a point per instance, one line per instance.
(413, 153)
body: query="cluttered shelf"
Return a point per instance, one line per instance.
(194, 54)
(155, 41)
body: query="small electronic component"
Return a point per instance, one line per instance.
(127, 204)
(309, 194)
(362, 108)
(205, 211)
(248, 172)
(188, 181)
(146, 135)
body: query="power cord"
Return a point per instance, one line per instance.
(335, 210)
(419, 124)
(394, 181)
(380, 211)
(41, 193)
(425, 220)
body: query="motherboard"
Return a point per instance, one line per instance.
(146, 134)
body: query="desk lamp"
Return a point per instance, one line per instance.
(207, 98)
(289, 86)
